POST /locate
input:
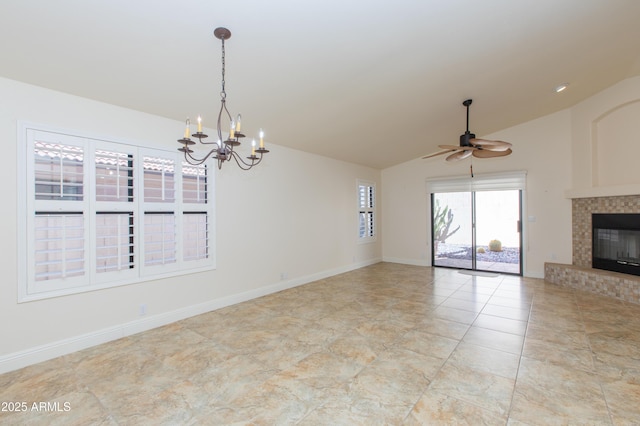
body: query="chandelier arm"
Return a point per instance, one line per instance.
(191, 159)
(223, 108)
(197, 161)
(243, 164)
(240, 162)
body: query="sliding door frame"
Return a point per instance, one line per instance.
(488, 182)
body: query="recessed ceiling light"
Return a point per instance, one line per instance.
(560, 87)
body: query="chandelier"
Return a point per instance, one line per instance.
(222, 150)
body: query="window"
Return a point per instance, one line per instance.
(58, 171)
(159, 180)
(366, 211)
(59, 245)
(115, 249)
(196, 235)
(101, 213)
(159, 238)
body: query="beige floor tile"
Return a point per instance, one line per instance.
(565, 339)
(465, 305)
(428, 344)
(534, 405)
(557, 378)
(434, 408)
(442, 327)
(355, 347)
(41, 382)
(623, 400)
(487, 360)
(509, 301)
(581, 359)
(506, 342)
(385, 344)
(557, 319)
(506, 312)
(488, 391)
(480, 289)
(454, 314)
(470, 295)
(505, 325)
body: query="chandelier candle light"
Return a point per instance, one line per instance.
(222, 150)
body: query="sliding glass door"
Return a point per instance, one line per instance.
(477, 230)
(498, 242)
(452, 229)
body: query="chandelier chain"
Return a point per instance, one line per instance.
(223, 94)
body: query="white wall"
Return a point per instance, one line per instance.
(541, 147)
(273, 220)
(295, 215)
(605, 142)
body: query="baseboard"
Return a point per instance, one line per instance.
(534, 274)
(17, 360)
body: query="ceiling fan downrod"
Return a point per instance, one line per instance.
(467, 136)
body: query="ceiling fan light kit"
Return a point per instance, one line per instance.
(472, 146)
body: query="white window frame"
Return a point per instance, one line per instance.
(371, 232)
(31, 289)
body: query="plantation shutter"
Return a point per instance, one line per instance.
(195, 217)
(99, 213)
(366, 204)
(160, 225)
(57, 224)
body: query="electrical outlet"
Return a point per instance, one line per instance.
(143, 309)
(284, 275)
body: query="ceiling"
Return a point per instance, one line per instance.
(371, 82)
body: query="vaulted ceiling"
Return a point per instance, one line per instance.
(371, 82)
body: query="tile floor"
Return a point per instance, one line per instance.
(501, 267)
(387, 344)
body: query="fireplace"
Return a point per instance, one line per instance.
(616, 242)
(582, 274)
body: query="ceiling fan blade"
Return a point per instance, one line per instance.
(492, 145)
(486, 153)
(451, 147)
(456, 156)
(456, 147)
(435, 154)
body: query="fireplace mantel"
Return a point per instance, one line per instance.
(603, 191)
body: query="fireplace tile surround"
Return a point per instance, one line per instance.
(580, 275)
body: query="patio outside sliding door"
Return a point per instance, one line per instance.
(497, 231)
(452, 229)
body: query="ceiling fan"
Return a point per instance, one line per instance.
(469, 145)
